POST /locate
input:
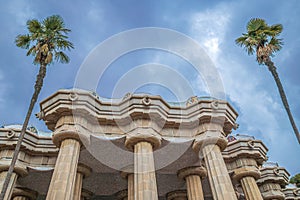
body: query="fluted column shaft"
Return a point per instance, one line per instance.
(82, 172)
(12, 182)
(63, 179)
(220, 182)
(194, 187)
(78, 186)
(130, 186)
(144, 172)
(250, 188)
(192, 176)
(127, 173)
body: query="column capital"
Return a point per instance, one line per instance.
(60, 135)
(21, 170)
(177, 195)
(210, 137)
(24, 192)
(84, 170)
(127, 171)
(193, 170)
(121, 195)
(86, 194)
(143, 135)
(247, 171)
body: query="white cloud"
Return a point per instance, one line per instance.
(209, 27)
(21, 10)
(261, 110)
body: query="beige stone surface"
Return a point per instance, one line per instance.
(145, 187)
(250, 188)
(219, 179)
(77, 116)
(11, 185)
(128, 174)
(63, 179)
(130, 190)
(273, 179)
(291, 193)
(192, 176)
(20, 192)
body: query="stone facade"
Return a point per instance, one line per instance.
(139, 147)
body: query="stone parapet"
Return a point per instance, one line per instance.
(291, 193)
(32, 143)
(244, 148)
(272, 180)
(277, 175)
(138, 108)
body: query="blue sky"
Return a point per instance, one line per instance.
(213, 24)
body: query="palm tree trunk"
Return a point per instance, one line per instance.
(37, 88)
(272, 69)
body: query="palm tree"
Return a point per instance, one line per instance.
(46, 40)
(262, 40)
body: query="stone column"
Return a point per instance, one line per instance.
(243, 156)
(250, 188)
(271, 182)
(20, 193)
(62, 183)
(11, 185)
(82, 172)
(210, 143)
(177, 195)
(247, 177)
(127, 173)
(142, 142)
(192, 176)
(19, 170)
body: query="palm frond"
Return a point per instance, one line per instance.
(275, 44)
(49, 36)
(64, 44)
(256, 24)
(261, 38)
(61, 57)
(34, 26)
(53, 23)
(275, 30)
(23, 41)
(31, 51)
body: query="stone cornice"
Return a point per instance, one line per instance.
(243, 148)
(276, 175)
(32, 144)
(291, 193)
(122, 112)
